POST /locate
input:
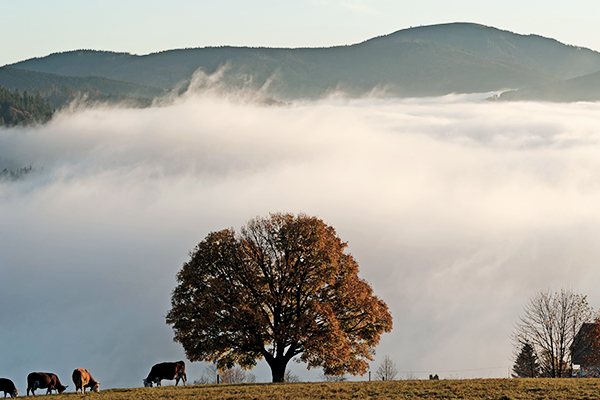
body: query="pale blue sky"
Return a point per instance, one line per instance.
(35, 28)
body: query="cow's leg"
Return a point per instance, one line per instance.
(35, 385)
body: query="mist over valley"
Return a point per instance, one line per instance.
(456, 208)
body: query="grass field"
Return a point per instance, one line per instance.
(501, 389)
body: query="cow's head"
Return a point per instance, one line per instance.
(96, 387)
(61, 388)
(147, 383)
(15, 393)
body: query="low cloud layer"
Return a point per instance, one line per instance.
(457, 211)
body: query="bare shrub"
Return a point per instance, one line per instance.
(209, 376)
(291, 378)
(387, 370)
(333, 378)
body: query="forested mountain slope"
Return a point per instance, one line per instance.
(18, 108)
(583, 88)
(423, 61)
(33, 81)
(532, 51)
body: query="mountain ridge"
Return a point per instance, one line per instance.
(421, 61)
(478, 38)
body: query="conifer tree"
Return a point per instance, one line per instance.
(526, 364)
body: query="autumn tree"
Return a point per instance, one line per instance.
(387, 370)
(282, 288)
(550, 323)
(526, 364)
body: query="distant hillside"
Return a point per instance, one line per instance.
(14, 78)
(531, 51)
(583, 88)
(18, 108)
(402, 67)
(407, 68)
(424, 61)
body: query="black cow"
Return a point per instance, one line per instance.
(7, 386)
(166, 370)
(44, 380)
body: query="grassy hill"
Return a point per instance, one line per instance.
(583, 88)
(538, 388)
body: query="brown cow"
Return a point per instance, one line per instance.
(44, 380)
(7, 386)
(83, 379)
(166, 370)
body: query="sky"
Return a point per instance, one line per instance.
(37, 28)
(457, 210)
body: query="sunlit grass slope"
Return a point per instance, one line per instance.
(443, 389)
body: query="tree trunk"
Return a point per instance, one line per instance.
(279, 362)
(278, 374)
(278, 369)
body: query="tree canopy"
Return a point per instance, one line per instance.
(282, 288)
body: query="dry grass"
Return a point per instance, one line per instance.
(495, 389)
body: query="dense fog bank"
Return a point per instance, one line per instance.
(457, 211)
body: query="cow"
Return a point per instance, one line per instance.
(166, 370)
(83, 379)
(7, 386)
(44, 380)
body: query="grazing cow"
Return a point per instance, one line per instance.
(83, 379)
(44, 380)
(166, 370)
(7, 386)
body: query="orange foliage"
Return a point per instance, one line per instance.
(282, 288)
